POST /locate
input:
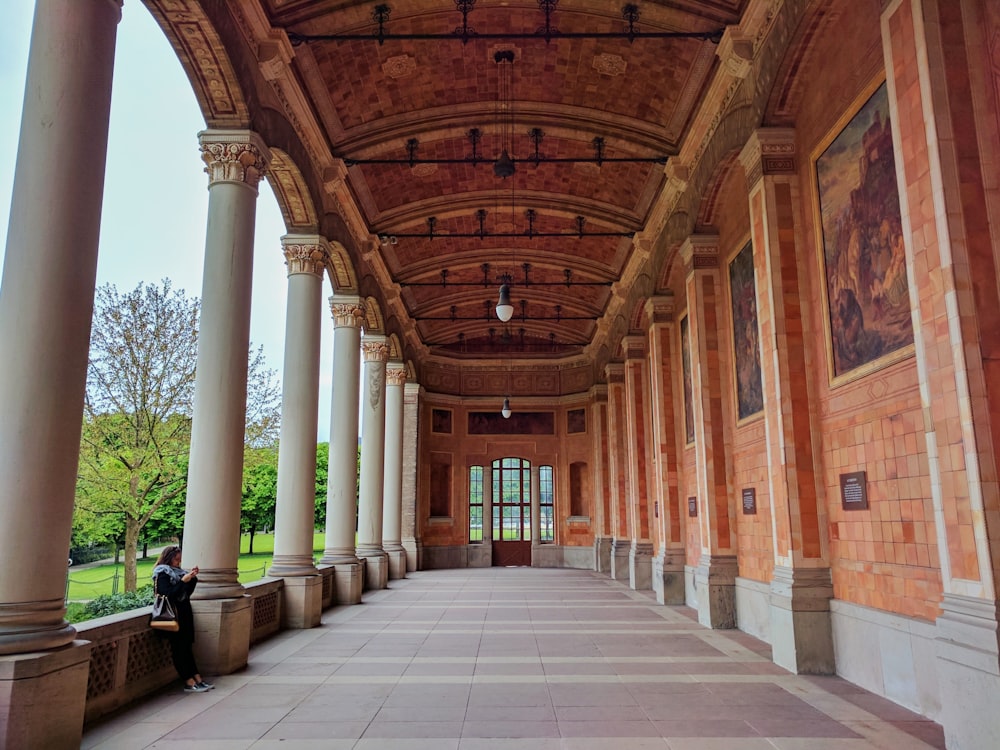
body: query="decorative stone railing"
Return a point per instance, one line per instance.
(265, 609)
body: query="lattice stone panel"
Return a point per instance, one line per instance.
(147, 653)
(103, 663)
(265, 610)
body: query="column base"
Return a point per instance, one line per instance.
(412, 547)
(968, 665)
(43, 696)
(602, 554)
(222, 634)
(303, 602)
(376, 570)
(668, 577)
(283, 566)
(801, 629)
(620, 549)
(397, 562)
(349, 582)
(715, 583)
(640, 566)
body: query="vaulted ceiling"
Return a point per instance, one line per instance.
(397, 110)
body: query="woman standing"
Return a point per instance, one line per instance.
(172, 581)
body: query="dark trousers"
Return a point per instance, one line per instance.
(183, 656)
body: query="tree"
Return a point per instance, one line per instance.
(260, 491)
(322, 468)
(137, 416)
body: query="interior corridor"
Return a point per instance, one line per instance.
(515, 658)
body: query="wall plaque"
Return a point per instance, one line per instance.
(749, 501)
(692, 506)
(854, 491)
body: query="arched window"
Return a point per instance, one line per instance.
(546, 531)
(475, 504)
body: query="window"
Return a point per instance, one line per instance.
(475, 504)
(511, 500)
(546, 532)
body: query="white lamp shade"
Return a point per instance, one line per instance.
(505, 310)
(506, 409)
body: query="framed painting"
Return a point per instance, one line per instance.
(688, 385)
(746, 339)
(868, 317)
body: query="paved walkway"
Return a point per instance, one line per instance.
(512, 659)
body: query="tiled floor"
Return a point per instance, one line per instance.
(512, 658)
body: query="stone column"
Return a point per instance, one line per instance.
(392, 491)
(295, 514)
(715, 578)
(235, 162)
(342, 471)
(411, 424)
(621, 543)
(602, 489)
(637, 442)
(941, 59)
(46, 305)
(668, 564)
(536, 512)
(375, 350)
(801, 588)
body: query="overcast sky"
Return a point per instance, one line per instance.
(156, 192)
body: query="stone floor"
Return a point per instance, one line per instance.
(511, 658)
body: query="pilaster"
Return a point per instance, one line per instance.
(621, 543)
(637, 445)
(602, 489)
(716, 576)
(937, 58)
(411, 427)
(800, 589)
(668, 562)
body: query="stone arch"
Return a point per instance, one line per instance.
(292, 193)
(374, 321)
(340, 270)
(395, 347)
(192, 34)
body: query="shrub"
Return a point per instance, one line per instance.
(112, 604)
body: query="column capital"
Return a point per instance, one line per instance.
(347, 311)
(411, 389)
(634, 347)
(375, 348)
(614, 372)
(305, 254)
(234, 156)
(395, 373)
(599, 393)
(735, 50)
(768, 151)
(660, 309)
(700, 251)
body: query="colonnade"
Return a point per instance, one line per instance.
(46, 306)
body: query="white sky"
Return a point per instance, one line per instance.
(156, 192)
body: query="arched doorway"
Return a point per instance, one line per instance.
(511, 511)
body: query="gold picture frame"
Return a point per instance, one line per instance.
(860, 243)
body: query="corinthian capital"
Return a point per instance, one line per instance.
(395, 374)
(347, 311)
(234, 156)
(375, 349)
(305, 254)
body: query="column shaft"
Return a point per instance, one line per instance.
(342, 470)
(392, 491)
(376, 353)
(46, 305)
(295, 514)
(235, 162)
(637, 441)
(411, 425)
(618, 466)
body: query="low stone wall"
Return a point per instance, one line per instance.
(558, 556)
(129, 660)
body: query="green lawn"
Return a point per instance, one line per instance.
(88, 583)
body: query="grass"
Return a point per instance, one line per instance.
(88, 583)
